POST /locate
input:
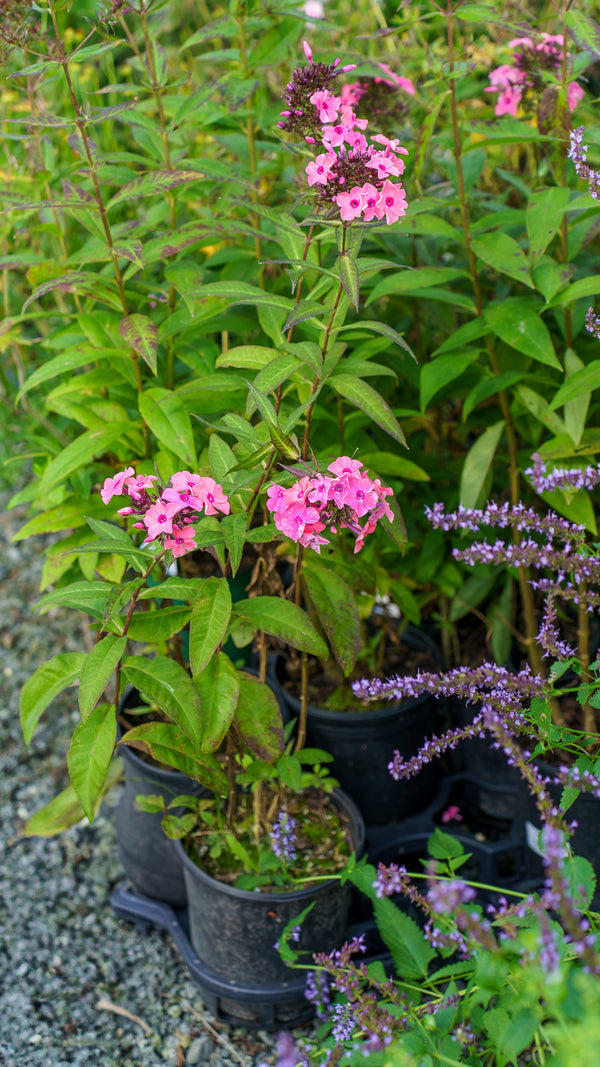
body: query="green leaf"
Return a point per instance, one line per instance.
(335, 606)
(284, 620)
(517, 323)
(250, 357)
(154, 183)
(97, 671)
(577, 291)
(219, 687)
(289, 771)
(443, 846)
(375, 327)
(82, 282)
(65, 809)
(441, 371)
(545, 209)
(44, 684)
(477, 464)
(426, 132)
(167, 744)
(90, 597)
(349, 278)
(363, 396)
(234, 534)
(80, 453)
(164, 413)
(584, 31)
(175, 589)
(540, 409)
(412, 281)
(65, 363)
(410, 949)
(387, 464)
(576, 409)
(158, 626)
(90, 753)
(258, 719)
(489, 387)
(504, 255)
(162, 681)
(208, 626)
(141, 334)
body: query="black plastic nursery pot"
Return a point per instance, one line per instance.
(363, 743)
(234, 932)
(502, 791)
(147, 856)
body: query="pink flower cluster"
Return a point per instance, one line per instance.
(511, 82)
(351, 173)
(334, 501)
(183, 500)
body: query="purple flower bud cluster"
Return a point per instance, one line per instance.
(545, 481)
(578, 153)
(343, 1021)
(287, 1053)
(592, 323)
(283, 837)
(317, 992)
(549, 634)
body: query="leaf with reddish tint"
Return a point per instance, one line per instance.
(257, 718)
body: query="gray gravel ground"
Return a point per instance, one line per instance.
(65, 960)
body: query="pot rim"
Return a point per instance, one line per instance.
(347, 806)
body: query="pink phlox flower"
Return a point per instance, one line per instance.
(508, 101)
(307, 51)
(344, 465)
(276, 498)
(397, 79)
(115, 486)
(296, 517)
(385, 165)
(356, 140)
(369, 196)
(576, 95)
(185, 496)
(184, 480)
(349, 204)
(318, 170)
(320, 489)
(334, 136)
(326, 104)
(517, 42)
(181, 540)
(313, 540)
(159, 518)
(209, 494)
(390, 142)
(351, 94)
(369, 528)
(349, 118)
(452, 812)
(361, 494)
(391, 202)
(136, 486)
(313, 9)
(504, 77)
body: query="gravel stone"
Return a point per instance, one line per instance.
(199, 1051)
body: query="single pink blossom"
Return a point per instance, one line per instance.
(181, 540)
(136, 486)
(326, 104)
(368, 196)
(344, 465)
(576, 95)
(452, 812)
(211, 495)
(508, 101)
(318, 170)
(349, 204)
(391, 202)
(114, 486)
(159, 518)
(397, 79)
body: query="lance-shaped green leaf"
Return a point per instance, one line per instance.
(90, 754)
(234, 532)
(251, 357)
(545, 209)
(219, 687)
(175, 589)
(378, 327)
(97, 671)
(263, 404)
(90, 597)
(82, 282)
(64, 810)
(363, 396)
(208, 626)
(167, 744)
(80, 453)
(349, 277)
(161, 680)
(165, 414)
(584, 31)
(504, 255)
(436, 375)
(518, 324)
(44, 684)
(153, 184)
(284, 620)
(159, 625)
(335, 606)
(257, 718)
(477, 464)
(141, 334)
